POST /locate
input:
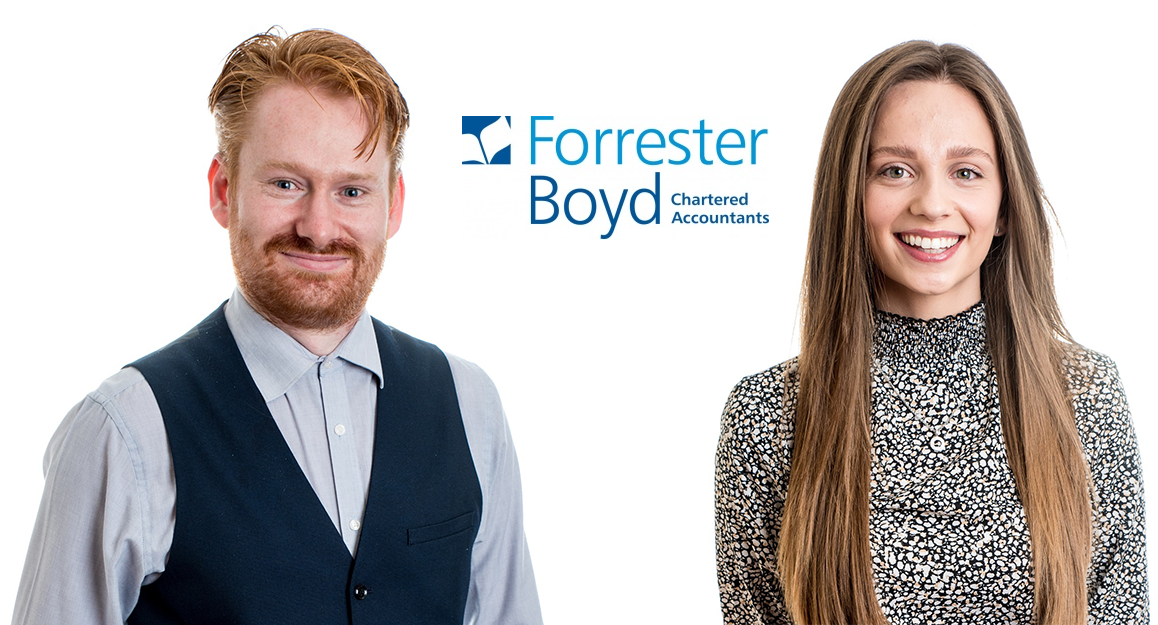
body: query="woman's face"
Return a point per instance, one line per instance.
(932, 195)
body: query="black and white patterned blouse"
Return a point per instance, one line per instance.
(948, 533)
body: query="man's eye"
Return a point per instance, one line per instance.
(351, 192)
(284, 185)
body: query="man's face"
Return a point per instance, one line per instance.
(307, 219)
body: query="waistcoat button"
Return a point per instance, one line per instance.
(360, 592)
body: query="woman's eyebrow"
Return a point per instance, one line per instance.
(904, 151)
(900, 151)
(965, 151)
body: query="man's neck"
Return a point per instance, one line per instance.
(318, 342)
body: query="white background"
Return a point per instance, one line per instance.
(614, 357)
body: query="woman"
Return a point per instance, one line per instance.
(941, 450)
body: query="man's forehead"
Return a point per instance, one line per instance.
(287, 102)
(295, 128)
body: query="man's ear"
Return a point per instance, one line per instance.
(397, 199)
(219, 191)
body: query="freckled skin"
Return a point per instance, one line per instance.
(308, 218)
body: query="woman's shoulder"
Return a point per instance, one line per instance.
(1100, 407)
(766, 394)
(756, 430)
(1094, 385)
(758, 420)
(1086, 368)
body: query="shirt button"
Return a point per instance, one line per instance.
(360, 592)
(938, 444)
(339, 429)
(355, 525)
(329, 363)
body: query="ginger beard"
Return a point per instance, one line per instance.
(297, 298)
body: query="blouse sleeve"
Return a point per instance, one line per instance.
(751, 476)
(1117, 581)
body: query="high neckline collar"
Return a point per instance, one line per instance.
(947, 337)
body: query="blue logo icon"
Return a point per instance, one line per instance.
(486, 140)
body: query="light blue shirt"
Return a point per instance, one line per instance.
(106, 519)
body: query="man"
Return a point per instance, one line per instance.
(205, 482)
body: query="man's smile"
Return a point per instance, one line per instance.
(322, 263)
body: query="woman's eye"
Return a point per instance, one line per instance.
(967, 174)
(895, 172)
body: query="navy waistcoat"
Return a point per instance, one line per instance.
(252, 542)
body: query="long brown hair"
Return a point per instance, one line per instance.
(824, 558)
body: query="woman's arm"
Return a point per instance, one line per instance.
(751, 467)
(1117, 580)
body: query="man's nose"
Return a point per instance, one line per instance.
(933, 199)
(318, 220)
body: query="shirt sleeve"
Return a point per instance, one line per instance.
(749, 503)
(94, 541)
(502, 582)
(1117, 582)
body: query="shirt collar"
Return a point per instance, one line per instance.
(276, 361)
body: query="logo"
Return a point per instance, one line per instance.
(486, 140)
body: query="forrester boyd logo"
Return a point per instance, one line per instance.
(486, 140)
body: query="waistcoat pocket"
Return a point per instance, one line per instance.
(427, 533)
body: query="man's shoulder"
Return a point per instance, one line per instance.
(478, 401)
(121, 412)
(128, 402)
(211, 326)
(126, 382)
(476, 391)
(123, 407)
(390, 338)
(464, 371)
(468, 371)
(402, 339)
(478, 397)
(124, 397)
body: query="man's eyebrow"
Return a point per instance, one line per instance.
(297, 169)
(286, 165)
(360, 176)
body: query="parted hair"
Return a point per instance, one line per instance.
(314, 59)
(824, 558)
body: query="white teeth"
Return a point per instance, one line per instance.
(938, 244)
